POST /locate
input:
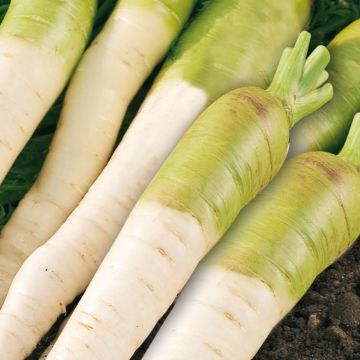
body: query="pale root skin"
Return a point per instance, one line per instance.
(76, 250)
(168, 111)
(25, 95)
(224, 313)
(302, 222)
(169, 241)
(217, 311)
(205, 180)
(107, 78)
(40, 42)
(84, 239)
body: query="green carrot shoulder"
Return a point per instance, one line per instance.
(250, 34)
(113, 68)
(228, 155)
(41, 42)
(299, 225)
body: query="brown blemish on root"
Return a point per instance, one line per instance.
(169, 228)
(301, 176)
(77, 189)
(98, 226)
(57, 276)
(229, 316)
(259, 106)
(81, 255)
(39, 96)
(328, 170)
(88, 347)
(143, 58)
(335, 177)
(232, 318)
(87, 327)
(148, 285)
(164, 254)
(347, 223)
(22, 129)
(120, 204)
(91, 316)
(62, 307)
(111, 307)
(6, 144)
(54, 203)
(221, 311)
(266, 137)
(244, 299)
(126, 63)
(255, 275)
(217, 351)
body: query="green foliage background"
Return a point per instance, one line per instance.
(329, 17)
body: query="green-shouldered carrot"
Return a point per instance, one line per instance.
(40, 44)
(134, 39)
(228, 155)
(301, 223)
(327, 128)
(244, 54)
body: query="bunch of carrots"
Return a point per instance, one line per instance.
(196, 198)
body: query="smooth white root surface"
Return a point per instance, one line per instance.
(220, 315)
(30, 80)
(152, 258)
(73, 254)
(107, 78)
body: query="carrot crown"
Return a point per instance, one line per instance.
(351, 149)
(299, 81)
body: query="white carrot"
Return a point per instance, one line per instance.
(40, 43)
(111, 71)
(229, 154)
(299, 225)
(197, 73)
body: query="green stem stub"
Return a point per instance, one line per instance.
(59, 26)
(351, 150)
(299, 81)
